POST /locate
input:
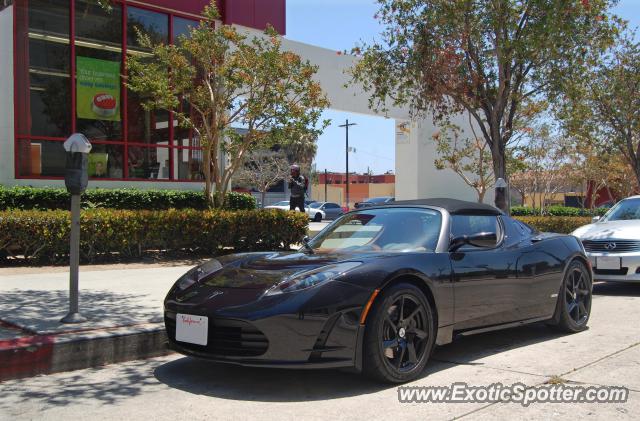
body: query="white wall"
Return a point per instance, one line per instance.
(332, 75)
(416, 175)
(6, 96)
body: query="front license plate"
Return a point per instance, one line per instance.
(608, 263)
(192, 329)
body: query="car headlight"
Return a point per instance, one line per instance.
(197, 273)
(311, 278)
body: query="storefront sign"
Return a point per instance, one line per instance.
(98, 89)
(403, 132)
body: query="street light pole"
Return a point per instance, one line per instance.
(346, 126)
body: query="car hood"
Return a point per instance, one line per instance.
(263, 270)
(611, 229)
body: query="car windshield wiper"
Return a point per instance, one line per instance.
(305, 244)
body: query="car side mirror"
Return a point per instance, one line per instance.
(595, 219)
(306, 239)
(480, 240)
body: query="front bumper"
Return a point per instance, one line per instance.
(316, 328)
(629, 267)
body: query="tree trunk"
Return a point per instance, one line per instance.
(499, 170)
(263, 196)
(207, 174)
(481, 193)
(636, 171)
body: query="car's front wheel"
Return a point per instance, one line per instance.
(399, 335)
(317, 217)
(574, 299)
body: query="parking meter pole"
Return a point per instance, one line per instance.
(74, 257)
(74, 253)
(77, 147)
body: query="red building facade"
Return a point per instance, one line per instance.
(58, 44)
(341, 178)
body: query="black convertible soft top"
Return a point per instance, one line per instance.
(453, 206)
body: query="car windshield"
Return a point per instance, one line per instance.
(391, 230)
(625, 210)
(315, 205)
(283, 203)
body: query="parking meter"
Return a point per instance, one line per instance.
(76, 173)
(75, 179)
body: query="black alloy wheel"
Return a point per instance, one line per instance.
(578, 296)
(400, 335)
(574, 300)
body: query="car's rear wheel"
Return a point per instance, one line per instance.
(317, 217)
(574, 299)
(399, 335)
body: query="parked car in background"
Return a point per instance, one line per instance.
(284, 205)
(324, 210)
(374, 201)
(613, 242)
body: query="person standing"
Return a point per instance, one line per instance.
(298, 188)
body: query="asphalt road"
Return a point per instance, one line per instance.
(176, 387)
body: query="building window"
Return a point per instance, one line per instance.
(40, 158)
(129, 143)
(98, 42)
(148, 163)
(43, 85)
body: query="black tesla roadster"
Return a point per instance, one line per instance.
(379, 288)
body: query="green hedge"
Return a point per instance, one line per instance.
(561, 224)
(44, 198)
(556, 211)
(108, 234)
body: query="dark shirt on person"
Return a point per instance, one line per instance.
(297, 186)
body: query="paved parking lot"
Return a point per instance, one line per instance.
(176, 387)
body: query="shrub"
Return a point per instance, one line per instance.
(524, 211)
(58, 198)
(556, 211)
(108, 234)
(240, 201)
(560, 224)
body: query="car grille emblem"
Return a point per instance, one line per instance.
(610, 246)
(215, 294)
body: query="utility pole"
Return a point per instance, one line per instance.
(346, 126)
(325, 184)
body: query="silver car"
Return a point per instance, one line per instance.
(324, 210)
(613, 242)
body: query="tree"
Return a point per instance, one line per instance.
(301, 151)
(593, 169)
(263, 170)
(488, 58)
(606, 111)
(216, 79)
(467, 157)
(542, 157)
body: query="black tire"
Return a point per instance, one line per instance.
(399, 335)
(317, 217)
(573, 307)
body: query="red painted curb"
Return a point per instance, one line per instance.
(26, 356)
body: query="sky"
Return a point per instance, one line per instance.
(339, 25)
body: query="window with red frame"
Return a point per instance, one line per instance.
(55, 39)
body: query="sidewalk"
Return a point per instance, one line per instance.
(177, 387)
(123, 307)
